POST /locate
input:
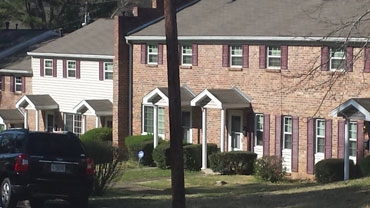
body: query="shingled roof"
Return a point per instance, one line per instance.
(254, 19)
(93, 39)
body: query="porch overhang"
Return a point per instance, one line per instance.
(222, 99)
(160, 96)
(103, 107)
(37, 102)
(353, 109)
(11, 116)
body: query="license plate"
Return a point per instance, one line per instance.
(58, 168)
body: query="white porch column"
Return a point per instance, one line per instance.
(97, 118)
(204, 138)
(222, 145)
(155, 126)
(37, 120)
(346, 150)
(25, 119)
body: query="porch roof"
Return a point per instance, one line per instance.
(354, 108)
(37, 102)
(102, 107)
(159, 96)
(11, 116)
(222, 99)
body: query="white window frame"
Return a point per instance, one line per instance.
(352, 134)
(287, 131)
(18, 84)
(187, 128)
(186, 51)
(76, 125)
(258, 128)
(161, 121)
(236, 52)
(152, 51)
(335, 55)
(272, 55)
(48, 68)
(319, 135)
(108, 70)
(70, 69)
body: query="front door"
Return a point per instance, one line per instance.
(49, 122)
(235, 131)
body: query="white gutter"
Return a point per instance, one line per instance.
(250, 38)
(71, 55)
(14, 71)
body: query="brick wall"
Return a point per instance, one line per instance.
(298, 91)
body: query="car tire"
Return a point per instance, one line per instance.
(80, 202)
(8, 199)
(37, 203)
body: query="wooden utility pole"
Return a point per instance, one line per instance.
(177, 165)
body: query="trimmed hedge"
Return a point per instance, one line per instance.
(192, 155)
(332, 170)
(365, 166)
(231, 163)
(138, 143)
(98, 134)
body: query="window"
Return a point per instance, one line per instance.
(48, 67)
(18, 84)
(236, 56)
(73, 123)
(273, 57)
(287, 132)
(149, 120)
(352, 138)
(259, 130)
(186, 126)
(320, 136)
(108, 70)
(337, 59)
(186, 55)
(71, 68)
(152, 54)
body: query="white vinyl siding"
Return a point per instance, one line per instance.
(74, 90)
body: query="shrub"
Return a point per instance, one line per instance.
(230, 163)
(98, 134)
(193, 155)
(331, 170)
(269, 168)
(161, 155)
(365, 166)
(138, 143)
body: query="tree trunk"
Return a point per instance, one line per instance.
(177, 166)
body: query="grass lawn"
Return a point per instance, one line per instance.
(151, 187)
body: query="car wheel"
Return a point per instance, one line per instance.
(8, 199)
(80, 202)
(37, 203)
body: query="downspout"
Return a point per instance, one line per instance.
(129, 87)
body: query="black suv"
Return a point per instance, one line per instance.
(38, 166)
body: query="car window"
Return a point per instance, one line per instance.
(11, 142)
(60, 145)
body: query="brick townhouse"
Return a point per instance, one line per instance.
(272, 77)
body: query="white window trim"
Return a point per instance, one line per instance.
(186, 55)
(258, 130)
(48, 68)
(152, 53)
(18, 84)
(343, 59)
(191, 124)
(107, 71)
(71, 69)
(235, 55)
(143, 119)
(272, 56)
(317, 136)
(353, 139)
(285, 133)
